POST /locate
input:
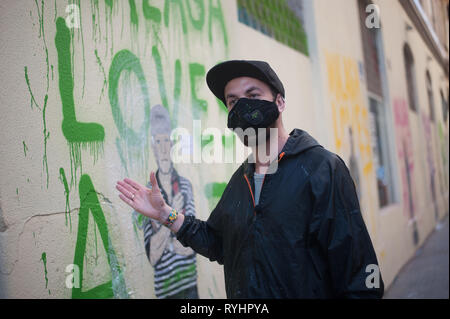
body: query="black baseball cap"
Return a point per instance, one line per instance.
(219, 76)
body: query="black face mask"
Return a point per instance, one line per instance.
(253, 113)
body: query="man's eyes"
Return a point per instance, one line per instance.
(251, 96)
(232, 102)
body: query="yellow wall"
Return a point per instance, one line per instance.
(44, 140)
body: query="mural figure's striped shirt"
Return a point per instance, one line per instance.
(173, 273)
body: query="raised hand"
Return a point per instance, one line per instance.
(148, 202)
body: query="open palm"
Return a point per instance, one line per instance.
(148, 202)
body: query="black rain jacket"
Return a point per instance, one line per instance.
(305, 239)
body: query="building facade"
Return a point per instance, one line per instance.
(368, 79)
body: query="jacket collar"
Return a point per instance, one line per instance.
(298, 142)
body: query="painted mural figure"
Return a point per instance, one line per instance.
(174, 265)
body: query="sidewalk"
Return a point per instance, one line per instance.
(426, 273)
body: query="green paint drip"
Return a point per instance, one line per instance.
(160, 73)
(81, 34)
(121, 156)
(78, 135)
(33, 100)
(179, 4)
(25, 148)
(197, 72)
(46, 137)
(95, 241)
(62, 176)
(133, 14)
(42, 33)
(105, 81)
(217, 14)
(200, 21)
(44, 260)
(96, 31)
(176, 93)
(108, 20)
(151, 13)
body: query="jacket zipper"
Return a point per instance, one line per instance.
(250, 186)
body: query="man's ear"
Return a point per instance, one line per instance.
(281, 103)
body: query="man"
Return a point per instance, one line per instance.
(174, 265)
(296, 232)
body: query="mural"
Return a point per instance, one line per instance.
(174, 265)
(406, 161)
(91, 98)
(143, 52)
(350, 119)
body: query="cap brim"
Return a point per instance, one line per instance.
(219, 76)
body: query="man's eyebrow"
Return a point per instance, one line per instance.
(253, 88)
(229, 96)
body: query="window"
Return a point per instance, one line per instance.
(410, 77)
(430, 96)
(379, 125)
(278, 19)
(378, 132)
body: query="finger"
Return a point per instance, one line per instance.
(134, 184)
(127, 200)
(128, 187)
(154, 182)
(125, 192)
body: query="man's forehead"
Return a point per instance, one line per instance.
(244, 83)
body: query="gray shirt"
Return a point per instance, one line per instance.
(259, 178)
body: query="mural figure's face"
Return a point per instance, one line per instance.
(161, 149)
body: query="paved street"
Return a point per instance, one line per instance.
(426, 274)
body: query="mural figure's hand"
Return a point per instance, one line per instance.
(148, 202)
